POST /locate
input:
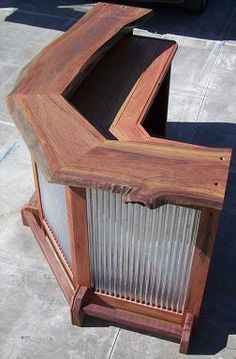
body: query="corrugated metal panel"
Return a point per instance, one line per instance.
(138, 253)
(54, 207)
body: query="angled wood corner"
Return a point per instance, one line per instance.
(92, 108)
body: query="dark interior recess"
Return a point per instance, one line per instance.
(102, 93)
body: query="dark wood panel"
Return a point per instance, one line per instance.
(109, 88)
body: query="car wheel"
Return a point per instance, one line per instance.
(194, 6)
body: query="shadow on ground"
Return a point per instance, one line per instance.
(217, 22)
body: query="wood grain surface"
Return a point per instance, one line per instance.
(67, 129)
(128, 319)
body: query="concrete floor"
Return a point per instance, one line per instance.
(202, 110)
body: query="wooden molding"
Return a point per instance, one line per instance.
(79, 299)
(119, 303)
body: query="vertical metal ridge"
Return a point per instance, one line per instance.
(139, 253)
(53, 201)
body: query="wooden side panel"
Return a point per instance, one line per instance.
(77, 216)
(201, 260)
(139, 84)
(156, 118)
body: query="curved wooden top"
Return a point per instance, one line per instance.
(70, 150)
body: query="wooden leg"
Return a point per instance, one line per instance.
(186, 335)
(79, 299)
(77, 219)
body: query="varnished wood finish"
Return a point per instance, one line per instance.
(186, 335)
(79, 299)
(164, 174)
(108, 300)
(201, 260)
(50, 255)
(66, 60)
(122, 317)
(77, 218)
(70, 150)
(31, 206)
(57, 248)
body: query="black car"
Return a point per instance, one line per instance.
(195, 6)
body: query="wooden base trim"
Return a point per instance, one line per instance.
(58, 250)
(186, 335)
(133, 320)
(50, 254)
(79, 299)
(84, 302)
(108, 300)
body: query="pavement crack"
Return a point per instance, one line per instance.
(192, 134)
(9, 150)
(114, 344)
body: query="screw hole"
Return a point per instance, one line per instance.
(222, 158)
(216, 184)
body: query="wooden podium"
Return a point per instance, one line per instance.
(125, 218)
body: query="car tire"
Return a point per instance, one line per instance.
(194, 6)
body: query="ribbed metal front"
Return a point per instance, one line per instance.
(54, 208)
(139, 253)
